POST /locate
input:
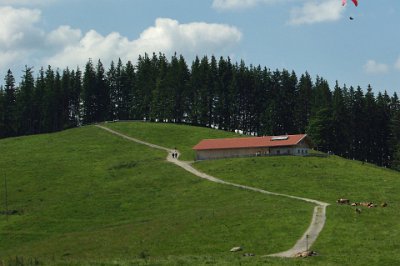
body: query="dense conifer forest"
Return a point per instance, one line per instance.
(351, 122)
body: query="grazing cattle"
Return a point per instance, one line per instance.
(343, 201)
(354, 204)
(358, 210)
(384, 204)
(305, 254)
(367, 204)
(235, 249)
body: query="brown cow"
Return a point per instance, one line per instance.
(367, 204)
(343, 201)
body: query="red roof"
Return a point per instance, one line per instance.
(251, 142)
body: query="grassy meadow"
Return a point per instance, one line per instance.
(171, 136)
(369, 238)
(86, 197)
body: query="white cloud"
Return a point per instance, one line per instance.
(63, 36)
(166, 36)
(239, 4)
(373, 67)
(316, 12)
(17, 27)
(397, 64)
(7, 58)
(22, 41)
(26, 2)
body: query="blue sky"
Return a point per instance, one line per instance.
(301, 35)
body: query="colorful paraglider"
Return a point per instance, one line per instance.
(354, 1)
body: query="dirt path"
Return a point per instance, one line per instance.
(309, 236)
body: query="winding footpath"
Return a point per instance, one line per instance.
(309, 236)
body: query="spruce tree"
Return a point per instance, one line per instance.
(39, 103)
(10, 106)
(383, 117)
(394, 140)
(180, 87)
(2, 126)
(89, 96)
(224, 97)
(359, 125)
(75, 112)
(340, 126)
(320, 130)
(146, 76)
(102, 94)
(128, 90)
(25, 103)
(303, 102)
(370, 113)
(113, 84)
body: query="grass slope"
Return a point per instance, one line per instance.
(171, 136)
(86, 196)
(371, 238)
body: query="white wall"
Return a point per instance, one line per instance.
(300, 150)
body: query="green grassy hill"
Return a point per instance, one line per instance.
(84, 196)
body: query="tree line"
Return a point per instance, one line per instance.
(212, 92)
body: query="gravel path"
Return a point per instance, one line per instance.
(309, 236)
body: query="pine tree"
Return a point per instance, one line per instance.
(160, 99)
(287, 105)
(340, 126)
(114, 87)
(75, 113)
(359, 125)
(57, 103)
(102, 94)
(274, 114)
(25, 103)
(39, 104)
(303, 102)
(394, 150)
(50, 102)
(394, 140)
(258, 100)
(10, 106)
(266, 80)
(243, 91)
(224, 97)
(320, 130)
(194, 100)
(2, 126)
(128, 90)
(383, 117)
(322, 96)
(370, 112)
(146, 76)
(90, 104)
(206, 94)
(180, 87)
(66, 98)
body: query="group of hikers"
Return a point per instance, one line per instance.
(175, 154)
